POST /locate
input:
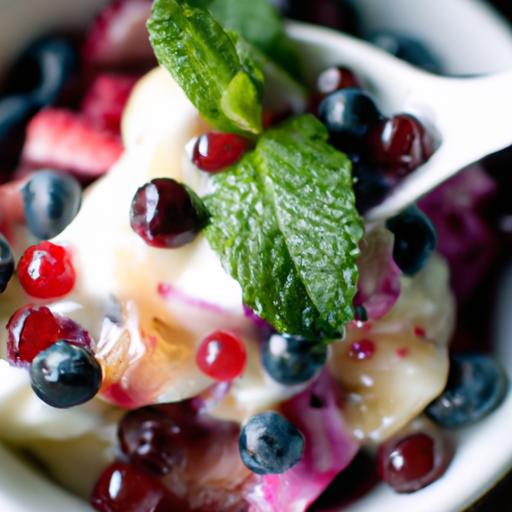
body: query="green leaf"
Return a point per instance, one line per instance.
(260, 25)
(204, 61)
(285, 225)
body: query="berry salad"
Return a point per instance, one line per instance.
(194, 311)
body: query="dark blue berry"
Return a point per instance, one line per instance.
(415, 240)
(270, 444)
(43, 70)
(349, 114)
(292, 360)
(407, 48)
(6, 263)
(371, 186)
(65, 375)
(51, 202)
(15, 112)
(476, 386)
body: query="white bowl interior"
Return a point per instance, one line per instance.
(469, 38)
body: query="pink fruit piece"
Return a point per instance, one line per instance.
(329, 448)
(105, 100)
(118, 36)
(62, 140)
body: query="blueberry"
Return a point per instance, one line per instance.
(349, 114)
(476, 386)
(51, 202)
(6, 263)
(65, 375)
(15, 112)
(270, 444)
(292, 360)
(371, 186)
(415, 240)
(43, 70)
(407, 48)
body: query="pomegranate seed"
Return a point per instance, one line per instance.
(420, 332)
(400, 143)
(124, 488)
(221, 356)
(336, 78)
(31, 330)
(410, 463)
(215, 151)
(362, 350)
(166, 214)
(45, 271)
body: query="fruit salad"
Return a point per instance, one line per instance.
(194, 310)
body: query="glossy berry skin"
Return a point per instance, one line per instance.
(43, 70)
(31, 330)
(292, 360)
(156, 438)
(167, 214)
(46, 271)
(349, 114)
(407, 48)
(401, 143)
(371, 186)
(6, 263)
(270, 444)
(410, 462)
(477, 385)
(65, 375)
(51, 201)
(215, 151)
(221, 356)
(415, 240)
(124, 488)
(336, 78)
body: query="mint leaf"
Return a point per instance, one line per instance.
(260, 25)
(285, 225)
(225, 87)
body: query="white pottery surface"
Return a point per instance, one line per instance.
(469, 38)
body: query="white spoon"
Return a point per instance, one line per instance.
(472, 117)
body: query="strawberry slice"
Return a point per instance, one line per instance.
(118, 36)
(105, 100)
(63, 140)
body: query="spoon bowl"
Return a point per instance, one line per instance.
(470, 116)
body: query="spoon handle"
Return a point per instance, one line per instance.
(473, 118)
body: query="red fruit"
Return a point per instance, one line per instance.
(362, 350)
(215, 151)
(105, 100)
(336, 78)
(118, 36)
(410, 463)
(60, 139)
(124, 488)
(221, 356)
(46, 271)
(30, 330)
(400, 143)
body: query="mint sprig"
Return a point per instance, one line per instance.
(225, 87)
(261, 26)
(285, 226)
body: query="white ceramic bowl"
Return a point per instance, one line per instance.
(469, 38)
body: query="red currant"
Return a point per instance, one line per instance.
(221, 356)
(336, 78)
(124, 488)
(400, 143)
(362, 350)
(31, 330)
(215, 151)
(46, 271)
(412, 462)
(166, 214)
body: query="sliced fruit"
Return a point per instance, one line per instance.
(408, 365)
(118, 36)
(62, 140)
